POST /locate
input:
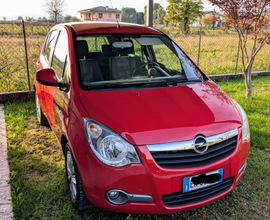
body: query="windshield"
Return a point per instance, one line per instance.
(132, 60)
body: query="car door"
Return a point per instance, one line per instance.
(45, 62)
(54, 95)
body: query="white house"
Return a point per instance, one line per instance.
(206, 13)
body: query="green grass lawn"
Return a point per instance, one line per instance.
(38, 182)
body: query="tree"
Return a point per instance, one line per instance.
(29, 19)
(4, 18)
(74, 19)
(129, 15)
(19, 18)
(145, 14)
(215, 18)
(140, 18)
(55, 8)
(67, 18)
(158, 14)
(250, 19)
(207, 21)
(184, 12)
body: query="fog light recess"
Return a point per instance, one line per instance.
(120, 197)
(242, 169)
(117, 197)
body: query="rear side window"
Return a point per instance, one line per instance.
(60, 55)
(50, 45)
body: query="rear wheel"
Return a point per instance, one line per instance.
(75, 187)
(42, 120)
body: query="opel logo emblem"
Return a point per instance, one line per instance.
(200, 145)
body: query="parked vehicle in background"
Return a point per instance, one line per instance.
(143, 130)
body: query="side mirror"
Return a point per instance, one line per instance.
(47, 77)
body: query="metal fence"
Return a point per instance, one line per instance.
(20, 46)
(215, 51)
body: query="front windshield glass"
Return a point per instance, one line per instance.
(132, 60)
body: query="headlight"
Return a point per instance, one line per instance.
(245, 125)
(108, 146)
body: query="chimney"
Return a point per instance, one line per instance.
(107, 7)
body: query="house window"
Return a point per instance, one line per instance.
(100, 15)
(117, 16)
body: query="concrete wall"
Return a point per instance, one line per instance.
(16, 96)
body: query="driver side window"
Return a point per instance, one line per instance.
(60, 55)
(166, 57)
(50, 45)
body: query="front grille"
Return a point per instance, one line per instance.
(189, 158)
(199, 195)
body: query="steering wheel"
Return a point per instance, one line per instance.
(145, 64)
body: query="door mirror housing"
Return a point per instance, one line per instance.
(47, 77)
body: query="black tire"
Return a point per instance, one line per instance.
(75, 187)
(42, 120)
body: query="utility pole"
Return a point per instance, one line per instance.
(149, 17)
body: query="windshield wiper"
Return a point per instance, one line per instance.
(108, 85)
(177, 82)
(161, 83)
(158, 83)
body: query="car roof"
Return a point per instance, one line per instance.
(110, 27)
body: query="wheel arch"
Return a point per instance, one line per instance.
(64, 141)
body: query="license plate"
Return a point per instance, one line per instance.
(202, 180)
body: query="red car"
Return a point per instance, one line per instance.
(143, 130)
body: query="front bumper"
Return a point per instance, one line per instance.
(162, 184)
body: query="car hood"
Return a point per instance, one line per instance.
(163, 115)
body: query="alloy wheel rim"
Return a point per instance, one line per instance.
(71, 176)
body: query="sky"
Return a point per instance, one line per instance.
(11, 9)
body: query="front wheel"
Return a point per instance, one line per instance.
(75, 187)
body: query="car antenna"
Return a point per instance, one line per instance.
(118, 25)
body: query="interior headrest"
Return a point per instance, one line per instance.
(107, 50)
(82, 48)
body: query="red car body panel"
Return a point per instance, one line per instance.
(163, 115)
(142, 117)
(100, 28)
(149, 178)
